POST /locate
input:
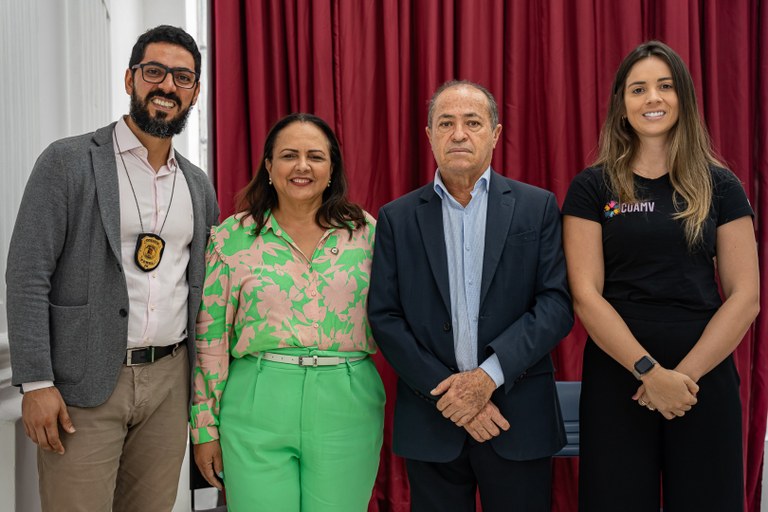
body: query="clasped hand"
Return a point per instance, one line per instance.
(670, 392)
(487, 424)
(466, 402)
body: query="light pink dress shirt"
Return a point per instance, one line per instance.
(158, 299)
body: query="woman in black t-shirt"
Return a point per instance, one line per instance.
(645, 232)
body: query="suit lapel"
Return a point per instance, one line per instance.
(199, 235)
(501, 205)
(429, 217)
(107, 188)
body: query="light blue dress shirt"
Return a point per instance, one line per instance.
(464, 230)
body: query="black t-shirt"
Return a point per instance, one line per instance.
(647, 259)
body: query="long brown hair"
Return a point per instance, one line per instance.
(259, 197)
(690, 152)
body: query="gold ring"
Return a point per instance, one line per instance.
(641, 402)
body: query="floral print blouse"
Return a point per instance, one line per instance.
(261, 294)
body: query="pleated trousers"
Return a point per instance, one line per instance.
(301, 438)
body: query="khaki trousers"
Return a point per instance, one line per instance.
(126, 454)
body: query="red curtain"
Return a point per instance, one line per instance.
(369, 67)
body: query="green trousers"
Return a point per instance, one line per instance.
(301, 438)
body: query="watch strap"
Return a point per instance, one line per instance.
(642, 366)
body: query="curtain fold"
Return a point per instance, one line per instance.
(369, 67)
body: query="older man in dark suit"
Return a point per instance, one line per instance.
(104, 280)
(468, 297)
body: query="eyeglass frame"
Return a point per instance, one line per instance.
(167, 70)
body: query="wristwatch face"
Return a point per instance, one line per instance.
(644, 365)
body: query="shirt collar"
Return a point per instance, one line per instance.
(480, 184)
(271, 225)
(128, 142)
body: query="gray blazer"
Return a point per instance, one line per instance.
(67, 294)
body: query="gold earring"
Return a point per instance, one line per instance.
(329, 184)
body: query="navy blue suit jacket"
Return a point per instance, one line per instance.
(525, 310)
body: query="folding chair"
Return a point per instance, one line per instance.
(568, 393)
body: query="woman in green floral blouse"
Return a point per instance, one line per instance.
(287, 402)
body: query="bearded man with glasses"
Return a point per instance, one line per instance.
(104, 277)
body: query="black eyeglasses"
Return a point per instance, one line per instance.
(155, 73)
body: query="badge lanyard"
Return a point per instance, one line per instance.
(149, 246)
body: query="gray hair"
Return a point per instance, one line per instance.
(493, 109)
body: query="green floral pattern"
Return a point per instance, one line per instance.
(262, 294)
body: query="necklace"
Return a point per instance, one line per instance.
(149, 246)
(649, 175)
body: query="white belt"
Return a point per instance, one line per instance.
(307, 360)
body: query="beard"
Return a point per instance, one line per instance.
(158, 126)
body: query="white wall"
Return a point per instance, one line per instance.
(54, 57)
(63, 63)
(129, 18)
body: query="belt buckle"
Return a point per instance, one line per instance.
(311, 361)
(129, 356)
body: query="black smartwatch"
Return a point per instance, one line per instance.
(643, 366)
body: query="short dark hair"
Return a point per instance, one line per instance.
(493, 108)
(337, 211)
(165, 34)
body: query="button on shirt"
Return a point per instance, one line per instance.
(464, 231)
(158, 299)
